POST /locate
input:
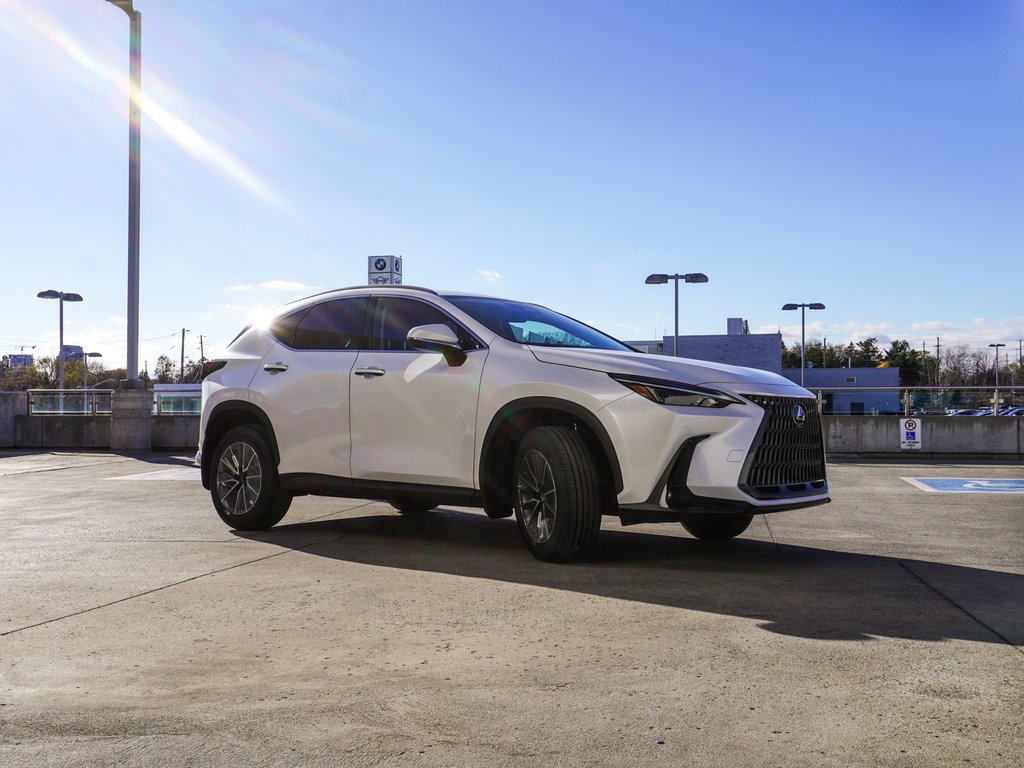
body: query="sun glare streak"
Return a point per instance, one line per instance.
(185, 137)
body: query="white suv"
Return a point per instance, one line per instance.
(420, 399)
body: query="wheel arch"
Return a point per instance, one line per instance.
(514, 420)
(225, 417)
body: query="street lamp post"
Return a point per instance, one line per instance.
(85, 366)
(995, 402)
(134, 152)
(660, 279)
(61, 297)
(85, 377)
(803, 327)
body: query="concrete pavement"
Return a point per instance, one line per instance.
(136, 629)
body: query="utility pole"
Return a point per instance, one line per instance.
(938, 363)
(181, 367)
(202, 353)
(824, 346)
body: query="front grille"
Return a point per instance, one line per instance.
(788, 457)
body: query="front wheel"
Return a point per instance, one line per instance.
(245, 488)
(558, 494)
(717, 528)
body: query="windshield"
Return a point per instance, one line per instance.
(533, 324)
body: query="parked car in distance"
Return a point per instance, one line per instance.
(421, 399)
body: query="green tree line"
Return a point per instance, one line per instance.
(959, 366)
(43, 374)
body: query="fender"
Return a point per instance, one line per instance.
(218, 412)
(553, 404)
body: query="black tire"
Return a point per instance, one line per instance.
(412, 506)
(717, 528)
(243, 482)
(559, 497)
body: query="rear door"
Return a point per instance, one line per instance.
(413, 414)
(303, 385)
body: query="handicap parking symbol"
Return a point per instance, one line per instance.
(967, 484)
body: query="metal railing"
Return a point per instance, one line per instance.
(97, 402)
(918, 401)
(177, 403)
(70, 402)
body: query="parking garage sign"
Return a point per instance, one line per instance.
(910, 434)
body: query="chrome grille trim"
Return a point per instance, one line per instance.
(786, 460)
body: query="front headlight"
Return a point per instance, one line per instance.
(674, 393)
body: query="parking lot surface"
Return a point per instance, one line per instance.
(886, 628)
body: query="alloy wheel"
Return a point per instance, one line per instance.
(537, 496)
(239, 478)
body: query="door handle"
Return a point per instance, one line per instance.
(274, 368)
(370, 372)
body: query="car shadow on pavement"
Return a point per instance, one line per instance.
(790, 590)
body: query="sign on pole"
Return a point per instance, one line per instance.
(384, 270)
(910, 434)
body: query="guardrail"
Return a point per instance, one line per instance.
(69, 402)
(918, 401)
(97, 402)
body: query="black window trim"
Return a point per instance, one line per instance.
(363, 331)
(372, 313)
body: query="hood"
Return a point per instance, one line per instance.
(680, 369)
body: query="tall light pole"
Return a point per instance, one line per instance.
(134, 151)
(691, 277)
(61, 297)
(803, 328)
(995, 404)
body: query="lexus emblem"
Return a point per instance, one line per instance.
(799, 415)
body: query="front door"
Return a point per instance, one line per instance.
(413, 415)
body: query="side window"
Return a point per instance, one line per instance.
(283, 328)
(334, 324)
(394, 318)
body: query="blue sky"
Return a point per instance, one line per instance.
(867, 155)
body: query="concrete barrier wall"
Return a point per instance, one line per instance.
(12, 405)
(1001, 436)
(175, 433)
(879, 436)
(87, 432)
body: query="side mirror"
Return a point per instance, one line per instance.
(437, 338)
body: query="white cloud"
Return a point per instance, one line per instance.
(271, 285)
(284, 285)
(490, 275)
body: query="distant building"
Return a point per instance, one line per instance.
(20, 361)
(737, 347)
(764, 352)
(853, 401)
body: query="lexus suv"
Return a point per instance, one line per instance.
(421, 398)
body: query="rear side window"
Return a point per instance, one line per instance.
(284, 327)
(334, 324)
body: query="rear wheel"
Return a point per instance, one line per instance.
(717, 528)
(245, 488)
(558, 494)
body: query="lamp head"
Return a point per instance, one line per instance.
(788, 307)
(695, 277)
(124, 5)
(71, 297)
(816, 305)
(51, 294)
(656, 279)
